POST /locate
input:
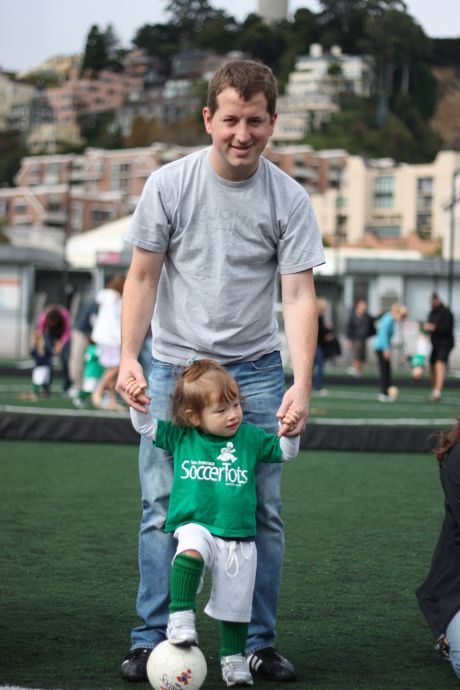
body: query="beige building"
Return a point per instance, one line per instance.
(12, 94)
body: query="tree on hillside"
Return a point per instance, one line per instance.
(12, 150)
(190, 16)
(396, 43)
(262, 41)
(160, 41)
(101, 50)
(144, 131)
(219, 34)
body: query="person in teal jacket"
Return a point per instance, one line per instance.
(382, 348)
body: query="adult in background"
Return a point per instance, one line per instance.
(53, 324)
(439, 595)
(106, 334)
(79, 341)
(211, 233)
(360, 326)
(324, 347)
(382, 347)
(440, 325)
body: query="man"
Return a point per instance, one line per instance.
(360, 326)
(440, 325)
(210, 234)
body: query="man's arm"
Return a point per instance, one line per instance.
(301, 328)
(139, 297)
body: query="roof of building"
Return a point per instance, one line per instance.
(82, 251)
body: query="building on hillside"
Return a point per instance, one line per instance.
(80, 192)
(109, 91)
(358, 202)
(378, 202)
(13, 94)
(49, 138)
(395, 204)
(313, 89)
(58, 65)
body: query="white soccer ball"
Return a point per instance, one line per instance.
(393, 392)
(171, 667)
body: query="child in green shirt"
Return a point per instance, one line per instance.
(213, 504)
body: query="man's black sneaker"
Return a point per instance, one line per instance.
(134, 665)
(267, 664)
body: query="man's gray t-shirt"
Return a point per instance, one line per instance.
(224, 243)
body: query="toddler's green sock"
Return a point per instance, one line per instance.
(185, 579)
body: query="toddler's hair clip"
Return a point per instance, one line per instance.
(191, 360)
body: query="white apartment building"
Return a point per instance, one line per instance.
(330, 73)
(313, 88)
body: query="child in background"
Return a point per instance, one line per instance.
(419, 359)
(41, 374)
(213, 504)
(92, 372)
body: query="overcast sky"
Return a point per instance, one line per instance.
(33, 30)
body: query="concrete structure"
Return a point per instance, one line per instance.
(272, 10)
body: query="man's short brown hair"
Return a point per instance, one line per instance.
(247, 77)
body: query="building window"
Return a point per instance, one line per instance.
(425, 185)
(20, 207)
(386, 230)
(121, 176)
(77, 216)
(384, 191)
(52, 174)
(424, 206)
(100, 216)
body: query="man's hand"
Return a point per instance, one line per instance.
(294, 407)
(132, 386)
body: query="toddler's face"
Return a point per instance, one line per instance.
(222, 418)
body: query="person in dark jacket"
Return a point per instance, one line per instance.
(439, 595)
(326, 338)
(360, 327)
(440, 325)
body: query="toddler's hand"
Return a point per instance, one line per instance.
(133, 389)
(290, 420)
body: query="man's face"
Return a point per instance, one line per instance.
(240, 131)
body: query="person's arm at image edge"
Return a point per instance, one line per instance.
(301, 329)
(139, 297)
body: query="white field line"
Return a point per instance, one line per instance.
(24, 409)
(329, 421)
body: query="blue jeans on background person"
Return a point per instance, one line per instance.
(453, 638)
(262, 388)
(64, 357)
(318, 370)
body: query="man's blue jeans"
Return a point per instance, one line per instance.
(262, 388)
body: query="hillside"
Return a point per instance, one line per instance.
(446, 119)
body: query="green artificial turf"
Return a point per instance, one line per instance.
(360, 530)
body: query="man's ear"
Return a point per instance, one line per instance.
(207, 118)
(192, 417)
